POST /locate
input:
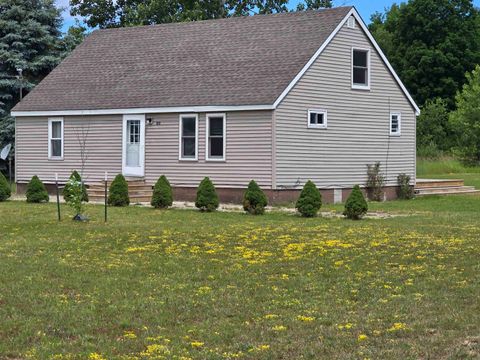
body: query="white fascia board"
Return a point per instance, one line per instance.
(359, 19)
(159, 110)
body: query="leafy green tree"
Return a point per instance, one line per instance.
(108, 13)
(118, 192)
(36, 191)
(356, 206)
(310, 200)
(5, 191)
(67, 190)
(162, 193)
(466, 120)
(207, 198)
(254, 199)
(431, 44)
(30, 39)
(434, 133)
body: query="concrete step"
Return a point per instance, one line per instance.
(432, 183)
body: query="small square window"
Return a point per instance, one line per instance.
(317, 119)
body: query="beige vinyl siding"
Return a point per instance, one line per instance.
(248, 151)
(104, 147)
(358, 130)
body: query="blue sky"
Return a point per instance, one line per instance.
(365, 7)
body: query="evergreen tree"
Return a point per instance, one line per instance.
(356, 206)
(118, 192)
(162, 193)
(254, 199)
(29, 40)
(310, 200)
(5, 191)
(36, 191)
(207, 198)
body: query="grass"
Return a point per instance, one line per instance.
(181, 284)
(448, 168)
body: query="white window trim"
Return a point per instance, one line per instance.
(351, 22)
(318, 126)
(207, 135)
(399, 132)
(50, 121)
(180, 132)
(359, 86)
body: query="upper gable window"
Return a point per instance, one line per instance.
(351, 22)
(360, 69)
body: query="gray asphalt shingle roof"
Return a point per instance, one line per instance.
(226, 62)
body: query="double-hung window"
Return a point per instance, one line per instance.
(55, 138)
(317, 119)
(216, 131)
(188, 147)
(395, 124)
(360, 69)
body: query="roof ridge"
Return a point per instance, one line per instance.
(232, 18)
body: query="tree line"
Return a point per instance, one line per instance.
(434, 45)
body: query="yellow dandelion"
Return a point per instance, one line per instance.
(197, 344)
(362, 337)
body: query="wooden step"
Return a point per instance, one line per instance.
(461, 190)
(432, 183)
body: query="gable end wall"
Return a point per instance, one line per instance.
(358, 122)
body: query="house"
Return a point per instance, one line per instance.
(277, 98)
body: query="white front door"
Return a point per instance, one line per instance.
(133, 157)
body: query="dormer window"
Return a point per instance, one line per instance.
(361, 69)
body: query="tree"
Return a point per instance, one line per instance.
(310, 200)
(466, 120)
(29, 40)
(207, 198)
(254, 199)
(162, 196)
(67, 190)
(118, 192)
(5, 191)
(356, 206)
(431, 44)
(434, 134)
(36, 191)
(109, 13)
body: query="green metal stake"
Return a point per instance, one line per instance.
(106, 181)
(58, 196)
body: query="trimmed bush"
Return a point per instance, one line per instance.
(254, 199)
(404, 190)
(118, 192)
(67, 191)
(207, 198)
(162, 194)
(36, 191)
(310, 200)
(356, 206)
(5, 191)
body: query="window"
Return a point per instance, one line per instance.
(55, 138)
(317, 119)
(351, 22)
(188, 146)
(215, 137)
(395, 124)
(360, 69)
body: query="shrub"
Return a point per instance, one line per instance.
(310, 200)
(207, 198)
(375, 182)
(356, 206)
(75, 195)
(67, 193)
(404, 190)
(5, 191)
(162, 194)
(118, 192)
(254, 199)
(36, 192)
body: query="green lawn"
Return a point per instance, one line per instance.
(448, 169)
(181, 284)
